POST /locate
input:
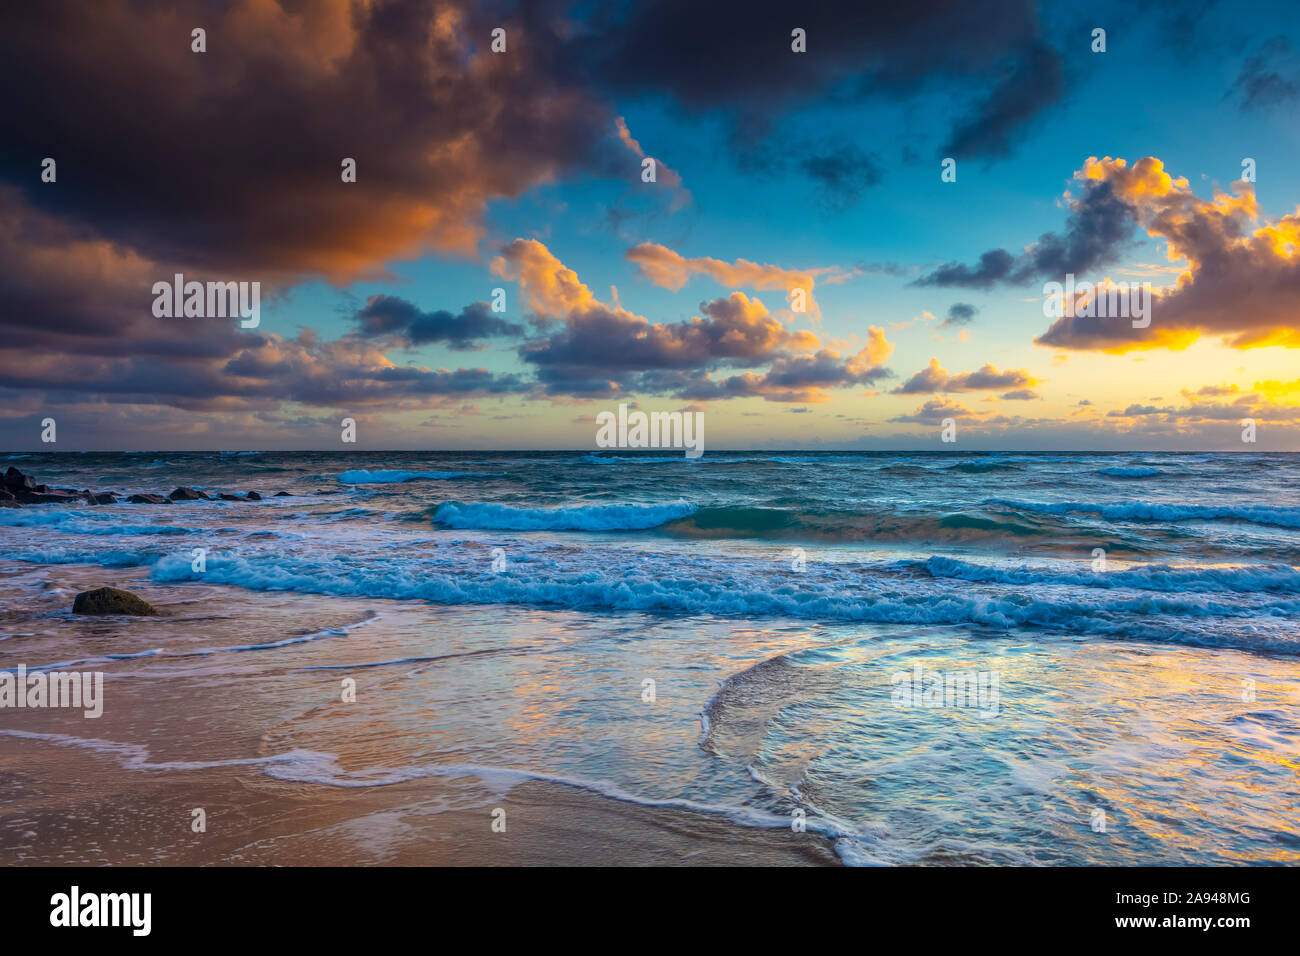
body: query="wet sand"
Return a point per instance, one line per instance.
(66, 806)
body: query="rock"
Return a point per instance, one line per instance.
(19, 489)
(283, 494)
(253, 496)
(187, 494)
(147, 500)
(111, 601)
(225, 497)
(15, 480)
(104, 498)
(47, 498)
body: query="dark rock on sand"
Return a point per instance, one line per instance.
(254, 496)
(111, 601)
(147, 500)
(187, 494)
(283, 494)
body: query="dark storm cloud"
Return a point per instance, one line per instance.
(1035, 80)
(231, 158)
(735, 57)
(391, 317)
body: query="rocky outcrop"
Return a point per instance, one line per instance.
(187, 494)
(17, 489)
(23, 489)
(111, 601)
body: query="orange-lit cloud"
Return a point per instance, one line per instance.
(1242, 278)
(605, 349)
(671, 270)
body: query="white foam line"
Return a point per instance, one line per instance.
(205, 652)
(313, 766)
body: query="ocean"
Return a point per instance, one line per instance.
(732, 637)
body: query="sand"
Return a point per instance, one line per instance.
(68, 806)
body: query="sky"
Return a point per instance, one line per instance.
(800, 269)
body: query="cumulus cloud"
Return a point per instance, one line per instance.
(1242, 278)
(1241, 281)
(603, 349)
(934, 378)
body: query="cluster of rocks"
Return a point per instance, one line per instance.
(19, 489)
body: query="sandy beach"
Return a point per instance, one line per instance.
(68, 797)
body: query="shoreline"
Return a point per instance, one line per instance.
(55, 798)
(80, 805)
